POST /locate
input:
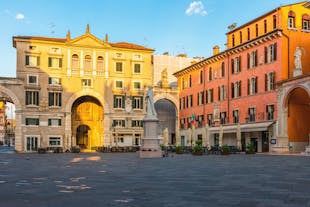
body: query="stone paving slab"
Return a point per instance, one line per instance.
(123, 179)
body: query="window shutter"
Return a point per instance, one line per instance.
(207, 97)
(60, 62)
(211, 95)
(232, 66)
(37, 98)
(59, 122)
(256, 58)
(275, 51)
(114, 101)
(239, 65)
(256, 83)
(248, 60)
(27, 59)
(49, 62)
(240, 88)
(59, 100)
(49, 122)
(37, 122)
(123, 101)
(123, 123)
(273, 78)
(266, 54)
(38, 61)
(232, 91)
(219, 93)
(202, 97)
(248, 86)
(266, 82)
(27, 121)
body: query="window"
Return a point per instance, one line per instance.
(221, 93)
(136, 85)
(291, 20)
(119, 84)
(182, 103)
(210, 74)
(305, 22)
(252, 86)
(100, 63)
(223, 69)
(190, 101)
(54, 99)
(252, 59)
(256, 30)
(183, 83)
(200, 120)
(210, 119)
(32, 61)
(265, 26)
(200, 98)
(136, 123)
(270, 112)
(236, 116)
(270, 81)
(54, 142)
(87, 63)
(201, 76)
(86, 82)
(240, 34)
(54, 81)
(54, 62)
(209, 94)
(249, 34)
(119, 102)
(190, 81)
(75, 62)
(118, 123)
(32, 121)
(236, 65)
(223, 117)
(274, 21)
(137, 68)
(236, 89)
(251, 113)
(137, 102)
(54, 122)
(32, 79)
(182, 123)
(119, 67)
(233, 40)
(270, 53)
(32, 98)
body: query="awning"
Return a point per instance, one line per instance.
(248, 127)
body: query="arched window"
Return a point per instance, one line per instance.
(291, 20)
(201, 77)
(223, 69)
(233, 40)
(75, 62)
(240, 34)
(265, 26)
(274, 21)
(305, 22)
(87, 63)
(249, 34)
(100, 63)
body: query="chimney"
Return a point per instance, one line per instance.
(216, 50)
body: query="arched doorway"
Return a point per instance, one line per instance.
(298, 119)
(87, 123)
(166, 113)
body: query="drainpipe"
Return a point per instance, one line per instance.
(228, 91)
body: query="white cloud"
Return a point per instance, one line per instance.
(196, 7)
(20, 16)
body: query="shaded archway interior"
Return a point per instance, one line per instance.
(87, 122)
(298, 104)
(166, 113)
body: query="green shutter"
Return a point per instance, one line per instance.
(59, 122)
(123, 102)
(49, 122)
(37, 122)
(27, 59)
(123, 123)
(141, 105)
(49, 62)
(114, 101)
(27, 121)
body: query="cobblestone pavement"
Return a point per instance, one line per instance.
(97, 179)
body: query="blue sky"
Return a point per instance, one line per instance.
(174, 26)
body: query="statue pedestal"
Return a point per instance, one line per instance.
(150, 147)
(297, 72)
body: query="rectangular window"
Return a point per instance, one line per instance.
(32, 121)
(305, 25)
(119, 67)
(210, 119)
(270, 81)
(136, 85)
(119, 102)
(291, 22)
(270, 112)
(54, 81)
(252, 86)
(236, 116)
(32, 61)
(136, 123)
(54, 99)
(210, 95)
(118, 123)
(54, 142)
(200, 98)
(86, 82)
(223, 117)
(32, 79)
(119, 84)
(137, 68)
(54, 122)
(190, 101)
(32, 98)
(137, 102)
(252, 113)
(54, 62)
(200, 120)
(222, 93)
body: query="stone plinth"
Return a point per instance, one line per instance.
(150, 147)
(297, 72)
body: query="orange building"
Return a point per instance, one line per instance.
(234, 91)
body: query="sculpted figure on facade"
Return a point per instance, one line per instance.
(150, 108)
(297, 56)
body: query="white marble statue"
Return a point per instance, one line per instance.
(149, 99)
(297, 56)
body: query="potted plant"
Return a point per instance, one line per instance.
(179, 149)
(225, 150)
(250, 148)
(198, 149)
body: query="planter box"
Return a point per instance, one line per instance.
(197, 153)
(225, 153)
(250, 152)
(179, 152)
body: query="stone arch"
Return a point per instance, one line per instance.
(290, 90)
(168, 97)
(12, 95)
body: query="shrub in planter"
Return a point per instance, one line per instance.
(250, 148)
(198, 149)
(225, 150)
(179, 149)
(76, 149)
